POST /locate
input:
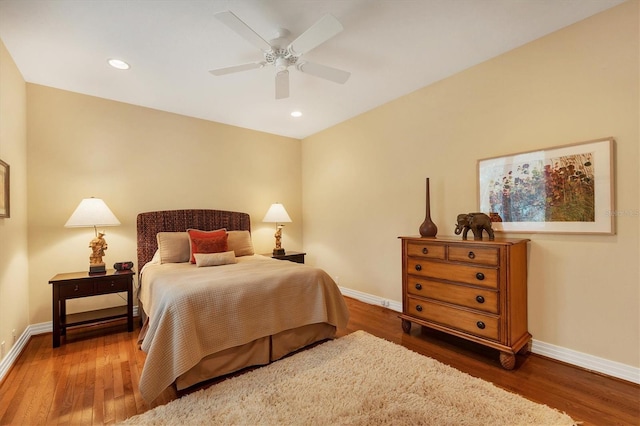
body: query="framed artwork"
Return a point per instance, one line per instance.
(4, 190)
(565, 189)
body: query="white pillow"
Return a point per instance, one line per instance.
(173, 247)
(240, 243)
(214, 259)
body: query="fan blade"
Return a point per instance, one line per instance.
(327, 27)
(237, 68)
(282, 84)
(323, 71)
(243, 30)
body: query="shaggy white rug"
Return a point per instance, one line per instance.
(358, 379)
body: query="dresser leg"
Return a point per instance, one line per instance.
(406, 326)
(507, 360)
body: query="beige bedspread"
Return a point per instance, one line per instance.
(194, 312)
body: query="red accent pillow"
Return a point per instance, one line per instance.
(207, 242)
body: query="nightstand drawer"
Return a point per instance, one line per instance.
(113, 285)
(69, 291)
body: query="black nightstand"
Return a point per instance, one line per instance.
(292, 256)
(81, 284)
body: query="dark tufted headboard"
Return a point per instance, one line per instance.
(150, 223)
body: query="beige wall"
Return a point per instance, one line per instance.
(138, 160)
(14, 294)
(363, 180)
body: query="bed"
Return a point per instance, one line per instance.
(202, 322)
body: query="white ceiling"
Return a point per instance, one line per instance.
(391, 48)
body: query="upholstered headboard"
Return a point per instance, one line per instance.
(150, 223)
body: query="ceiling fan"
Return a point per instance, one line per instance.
(283, 56)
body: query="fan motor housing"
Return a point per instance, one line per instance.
(280, 58)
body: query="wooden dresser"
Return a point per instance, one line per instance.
(476, 290)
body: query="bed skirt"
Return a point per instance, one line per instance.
(259, 352)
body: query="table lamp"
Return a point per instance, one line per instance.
(93, 212)
(277, 214)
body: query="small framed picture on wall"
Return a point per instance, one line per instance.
(4, 190)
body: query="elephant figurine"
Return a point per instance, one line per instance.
(477, 222)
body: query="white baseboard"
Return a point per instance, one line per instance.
(21, 343)
(586, 361)
(579, 359)
(14, 352)
(371, 299)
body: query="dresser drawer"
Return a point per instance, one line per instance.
(471, 297)
(470, 322)
(112, 285)
(468, 274)
(426, 250)
(479, 255)
(69, 291)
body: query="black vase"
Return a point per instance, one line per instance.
(428, 228)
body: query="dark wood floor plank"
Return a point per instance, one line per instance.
(45, 385)
(63, 370)
(93, 378)
(98, 394)
(11, 386)
(22, 406)
(136, 362)
(109, 395)
(130, 408)
(89, 383)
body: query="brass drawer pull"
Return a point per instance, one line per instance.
(418, 286)
(472, 255)
(425, 250)
(76, 288)
(479, 299)
(480, 325)
(419, 308)
(418, 267)
(480, 276)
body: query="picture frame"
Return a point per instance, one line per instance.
(5, 211)
(566, 189)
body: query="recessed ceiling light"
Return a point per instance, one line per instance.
(296, 114)
(119, 64)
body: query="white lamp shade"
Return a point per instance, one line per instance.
(92, 212)
(276, 213)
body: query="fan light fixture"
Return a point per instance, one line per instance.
(277, 214)
(296, 114)
(119, 64)
(93, 212)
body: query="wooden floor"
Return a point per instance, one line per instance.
(93, 377)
